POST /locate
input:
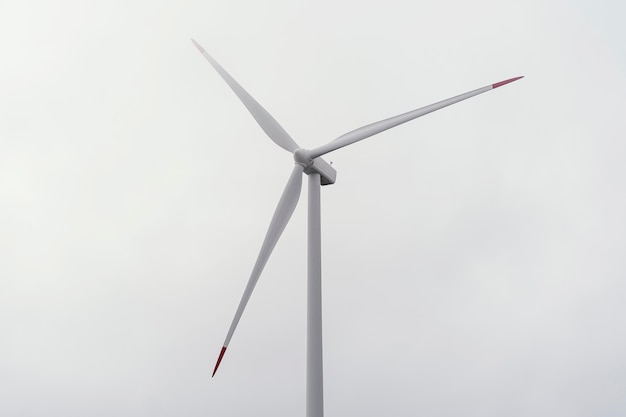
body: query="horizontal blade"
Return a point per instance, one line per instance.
(269, 125)
(374, 128)
(284, 210)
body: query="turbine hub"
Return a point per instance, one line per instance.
(303, 157)
(317, 165)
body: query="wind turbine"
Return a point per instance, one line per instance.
(309, 161)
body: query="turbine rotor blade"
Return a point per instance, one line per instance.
(282, 214)
(269, 125)
(380, 126)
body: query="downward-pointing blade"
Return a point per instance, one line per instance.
(377, 127)
(269, 125)
(284, 210)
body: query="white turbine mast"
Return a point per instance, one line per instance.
(320, 173)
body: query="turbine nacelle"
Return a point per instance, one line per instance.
(328, 174)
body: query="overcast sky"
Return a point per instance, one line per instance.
(473, 259)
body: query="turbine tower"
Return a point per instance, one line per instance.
(320, 173)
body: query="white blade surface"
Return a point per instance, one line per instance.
(377, 127)
(269, 125)
(284, 210)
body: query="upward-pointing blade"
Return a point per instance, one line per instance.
(284, 210)
(269, 125)
(377, 127)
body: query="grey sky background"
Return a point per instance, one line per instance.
(473, 259)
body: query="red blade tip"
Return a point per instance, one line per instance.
(501, 83)
(219, 360)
